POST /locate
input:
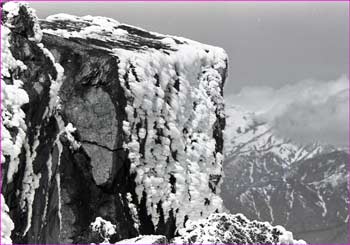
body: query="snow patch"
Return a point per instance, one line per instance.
(6, 223)
(30, 181)
(68, 130)
(148, 239)
(105, 228)
(133, 210)
(13, 97)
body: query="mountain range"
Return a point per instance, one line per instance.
(269, 178)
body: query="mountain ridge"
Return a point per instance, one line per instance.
(271, 179)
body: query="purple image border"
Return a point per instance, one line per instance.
(197, 1)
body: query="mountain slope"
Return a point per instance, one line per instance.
(303, 188)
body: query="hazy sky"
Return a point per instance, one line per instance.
(268, 44)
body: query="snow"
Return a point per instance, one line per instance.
(11, 10)
(332, 178)
(287, 237)
(164, 112)
(68, 130)
(105, 228)
(321, 203)
(91, 27)
(233, 229)
(58, 143)
(245, 134)
(30, 181)
(13, 117)
(6, 223)
(148, 239)
(55, 84)
(12, 98)
(133, 210)
(168, 113)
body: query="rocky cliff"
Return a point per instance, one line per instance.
(111, 132)
(131, 131)
(30, 80)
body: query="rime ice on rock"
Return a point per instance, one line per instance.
(6, 223)
(173, 115)
(233, 229)
(19, 23)
(137, 120)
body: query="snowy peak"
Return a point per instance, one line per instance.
(246, 134)
(272, 179)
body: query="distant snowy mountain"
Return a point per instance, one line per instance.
(273, 179)
(246, 135)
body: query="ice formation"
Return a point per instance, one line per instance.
(12, 117)
(6, 223)
(174, 107)
(176, 128)
(14, 129)
(12, 98)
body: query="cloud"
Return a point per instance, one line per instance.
(306, 112)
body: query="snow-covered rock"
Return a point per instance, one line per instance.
(30, 79)
(122, 138)
(272, 179)
(129, 129)
(104, 228)
(148, 113)
(148, 239)
(233, 229)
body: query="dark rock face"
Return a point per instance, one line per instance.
(93, 176)
(304, 189)
(117, 135)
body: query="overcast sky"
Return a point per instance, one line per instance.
(275, 51)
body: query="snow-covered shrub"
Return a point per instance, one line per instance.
(233, 229)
